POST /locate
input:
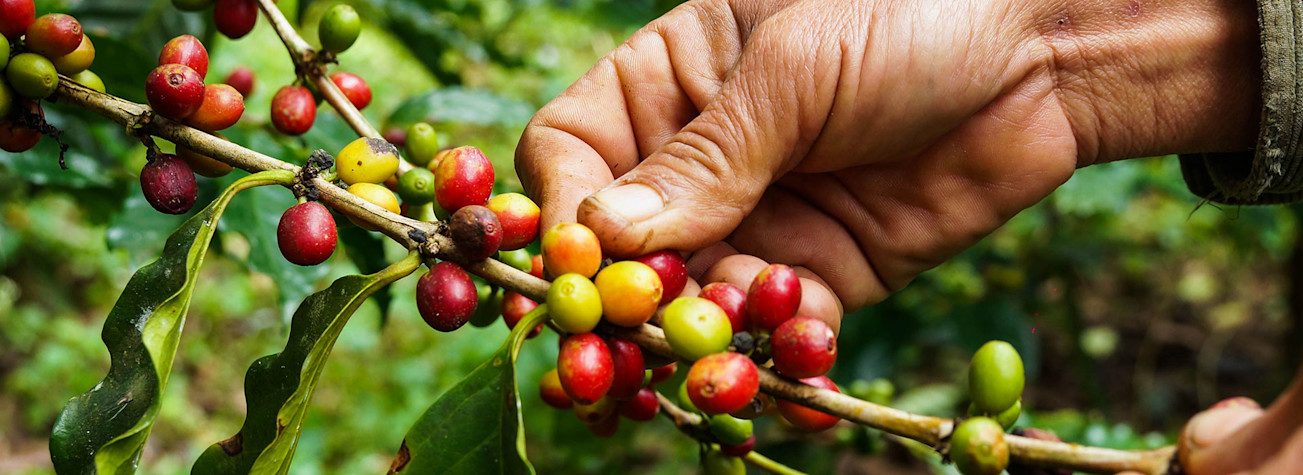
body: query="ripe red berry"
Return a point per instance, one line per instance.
(242, 79)
(174, 91)
(221, 108)
(168, 184)
(643, 407)
(803, 347)
(536, 266)
(235, 18)
(476, 232)
(306, 234)
(18, 138)
(722, 383)
(571, 248)
(626, 366)
(661, 374)
(53, 35)
(185, 50)
(519, 217)
(585, 366)
(464, 178)
(732, 300)
(671, 268)
(550, 391)
(805, 418)
(446, 297)
(354, 88)
(16, 16)
(514, 308)
(739, 450)
(774, 297)
(293, 110)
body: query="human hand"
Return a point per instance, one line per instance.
(866, 141)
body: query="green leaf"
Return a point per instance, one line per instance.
(104, 429)
(476, 426)
(463, 106)
(279, 387)
(367, 251)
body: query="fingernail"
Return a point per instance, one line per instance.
(1238, 401)
(634, 202)
(1213, 425)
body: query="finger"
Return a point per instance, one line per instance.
(1231, 439)
(699, 262)
(1288, 460)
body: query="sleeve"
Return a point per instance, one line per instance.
(1273, 172)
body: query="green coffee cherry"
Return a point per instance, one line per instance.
(717, 463)
(339, 28)
(1010, 416)
(978, 448)
(416, 186)
(32, 76)
(422, 144)
(518, 258)
(995, 377)
(4, 52)
(696, 327)
(730, 430)
(685, 402)
(574, 304)
(90, 79)
(6, 99)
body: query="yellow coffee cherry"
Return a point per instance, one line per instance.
(376, 194)
(367, 160)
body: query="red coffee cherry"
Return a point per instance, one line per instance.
(732, 300)
(519, 217)
(722, 383)
(571, 248)
(221, 108)
(464, 177)
(739, 450)
(16, 16)
(585, 367)
(626, 366)
(774, 296)
(185, 50)
(18, 138)
(514, 308)
(242, 79)
(293, 110)
(643, 407)
(671, 268)
(168, 184)
(235, 18)
(805, 418)
(536, 266)
(446, 297)
(53, 35)
(595, 412)
(174, 91)
(306, 234)
(550, 391)
(803, 347)
(476, 231)
(662, 374)
(354, 88)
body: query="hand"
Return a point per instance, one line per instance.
(865, 141)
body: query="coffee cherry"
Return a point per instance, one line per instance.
(978, 447)
(519, 217)
(774, 296)
(339, 28)
(754, 409)
(490, 306)
(670, 267)
(90, 80)
(8, 99)
(685, 402)
(514, 308)
(1010, 416)
(626, 361)
(235, 18)
(446, 297)
(536, 266)
(716, 463)
(366, 160)
(221, 108)
(203, 164)
(53, 35)
(642, 408)
(571, 248)
(185, 50)
(15, 17)
(192, 5)
(803, 347)
(422, 144)
(14, 136)
(696, 327)
(630, 292)
(464, 178)
(4, 52)
(174, 91)
(661, 374)
(595, 412)
(550, 391)
(377, 195)
(739, 450)
(995, 377)
(476, 231)
(722, 382)
(574, 304)
(78, 60)
(606, 428)
(519, 258)
(306, 234)
(293, 110)
(242, 79)
(168, 184)
(805, 418)
(730, 430)
(353, 87)
(32, 76)
(732, 300)
(416, 187)
(585, 367)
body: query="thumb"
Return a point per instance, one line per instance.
(1207, 430)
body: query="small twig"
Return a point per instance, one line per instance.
(695, 426)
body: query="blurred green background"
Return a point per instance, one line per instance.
(1133, 305)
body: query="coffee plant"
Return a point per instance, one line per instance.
(625, 327)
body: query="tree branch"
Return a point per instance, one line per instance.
(696, 427)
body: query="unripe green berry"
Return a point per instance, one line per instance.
(4, 52)
(90, 80)
(416, 186)
(717, 463)
(32, 76)
(422, 144)
(730, 430)
(696, 327)
(1010, 416)
(978, 447)
(7, 99)
(685, 402)
(574, 303)
(339, 28)
(995, 377)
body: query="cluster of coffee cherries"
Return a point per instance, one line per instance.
(176, 90)
(33, 53)
(294, 107)
(995, 385)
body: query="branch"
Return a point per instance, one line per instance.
(696, 427)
